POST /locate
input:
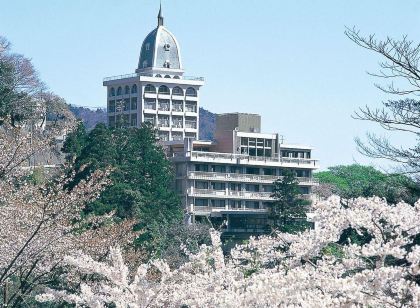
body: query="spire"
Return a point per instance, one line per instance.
(160, 17)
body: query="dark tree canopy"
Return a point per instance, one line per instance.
(288, 211)
(142, 177)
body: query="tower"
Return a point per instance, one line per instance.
(158, 92)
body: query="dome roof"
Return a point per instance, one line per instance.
(160, 49)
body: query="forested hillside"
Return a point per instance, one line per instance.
(92, 117)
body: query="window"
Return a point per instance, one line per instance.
(119, 91)
(167, 64)
(177, 106)
(126, 106)
(147, 46)
(163, 90)
(191, 92)
(201, 202)
(176, 122)
(217, 203)
(111, 106)
(164, 136)
(166, 47)
(144, 63)
(176, 77)
(190, 135)
(150, 104)
(149, 89)
(158, 75)
(134, 103)
(112, 92)
(177, 136)
(190, 107)
(134, 89)
(164, 105)
(177, 91)
(134, 120)
(167, 76)
(201, 185)
(127, 90)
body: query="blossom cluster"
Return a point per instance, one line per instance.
(315, 268)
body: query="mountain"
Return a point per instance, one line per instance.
(207, 124)
(92, 117)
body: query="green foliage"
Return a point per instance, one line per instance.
(141, 176)
(364, 181)
(75, 141)
(288, 211)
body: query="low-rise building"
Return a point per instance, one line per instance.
(231, 178)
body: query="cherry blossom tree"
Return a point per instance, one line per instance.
(315, 268)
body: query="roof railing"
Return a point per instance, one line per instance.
(118, 77)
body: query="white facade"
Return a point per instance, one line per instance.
(158, 92)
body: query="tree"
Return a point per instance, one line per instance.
(284, 270)
(354, 181)
(288, 211)
(142, 179)
(39, 214)
(401, 68)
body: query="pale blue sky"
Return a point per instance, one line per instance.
(287, 60)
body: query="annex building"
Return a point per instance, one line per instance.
(229, 178)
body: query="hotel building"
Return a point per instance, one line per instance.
(158, 92)
(228, 179)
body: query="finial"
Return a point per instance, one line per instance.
(160, 17)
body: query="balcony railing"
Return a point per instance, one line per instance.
(190, 124)
(233, 157)
(177, 125)
(177, 108)
(249, 195)
(252, 178)
(163, 124)
(163, 107)
(150, 106)
(208, 209)
(149, 75)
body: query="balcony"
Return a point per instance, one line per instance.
(246, 178)
(177, 108)
(177, 125)
(229, 194)
(191, 124)
(227, 208)
(229, 158)
(163, 124)
(163, 107)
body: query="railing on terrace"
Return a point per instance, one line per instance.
(226, 208)
(230, 193)
(118, 77)
(243, 177)
(216, 155)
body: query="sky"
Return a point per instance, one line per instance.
(288, 61)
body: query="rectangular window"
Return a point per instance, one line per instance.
(201, 185)
(150, 104)
(111, 106)
(177, 136)
(134, 103)
(177, 106)
(190, 106)
(201, 202)
(217, 203)
(126, 105)
(244, 141)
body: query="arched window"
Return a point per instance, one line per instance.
(164, 90)
(167, 76)
(144, 63)
(176, 77)
(127, 90)
(158, 75)
(177, 91)
(134, 89)
(119, 91)
(112, 92)
(149, 89)
(191, 92)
